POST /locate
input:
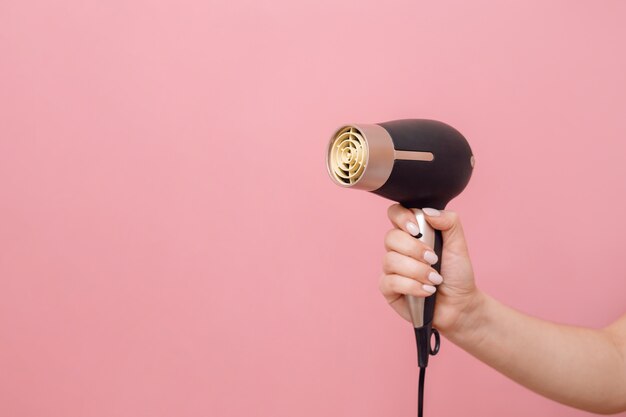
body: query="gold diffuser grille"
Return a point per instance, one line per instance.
(348, 155)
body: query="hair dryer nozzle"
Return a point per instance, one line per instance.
(360, 156)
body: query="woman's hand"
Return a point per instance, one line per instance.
(577, 366)
(407, 267)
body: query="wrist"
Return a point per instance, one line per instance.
(469, 326)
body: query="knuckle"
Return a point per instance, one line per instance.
(400, 241)
(395, 284)
(391, 210)
(390, 238)
(382, 283)
(388, 262)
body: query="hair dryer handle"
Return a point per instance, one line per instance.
(422, 309)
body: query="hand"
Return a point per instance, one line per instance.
(407, 267)
(535, 353)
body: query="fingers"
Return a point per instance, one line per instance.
(407, 264)
(403, 219)
(392, 286)
(444, 220)
(396, 263)
(401, 242)
(451, 229)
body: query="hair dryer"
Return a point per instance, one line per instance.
(418, 163)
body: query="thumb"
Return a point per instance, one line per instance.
(451, 229)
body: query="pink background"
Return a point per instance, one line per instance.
(171, 245)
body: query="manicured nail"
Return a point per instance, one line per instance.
(430, 257)
(431, 212)
(412, 228)
(429, 288)
(435, 278)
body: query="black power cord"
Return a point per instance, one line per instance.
(420, 393)
(424, 350)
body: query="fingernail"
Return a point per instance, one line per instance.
(435, 278)
(429, 288)
(412, 228)
(430, 257)
(431, 211)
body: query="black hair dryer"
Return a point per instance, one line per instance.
(418, 163)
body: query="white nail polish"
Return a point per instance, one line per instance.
(431, 212)
(429, 288)
(435, 278)
(412, 228)
(430, 257)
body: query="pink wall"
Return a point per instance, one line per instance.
(170, 244)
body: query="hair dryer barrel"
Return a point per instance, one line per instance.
(416, 162)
